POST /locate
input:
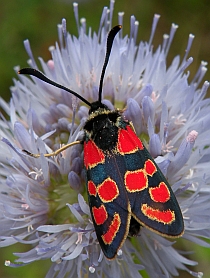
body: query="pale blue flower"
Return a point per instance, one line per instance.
(42, 199)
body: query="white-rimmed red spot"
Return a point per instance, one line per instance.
(92, 155)
(136, 180)
(160, 193)
(108, 190)
(109, 236)
(165, 217)
(100, 214)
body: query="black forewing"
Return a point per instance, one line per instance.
(114, 168)
(137, 161)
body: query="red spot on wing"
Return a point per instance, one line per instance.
(100, 214)
(108, 190)
(92, 188)
(109, 236)
(92, 154)
(150, 167)
(165, 217)
(128, 142)
(160, 193)
(138, 180)
(135, 180)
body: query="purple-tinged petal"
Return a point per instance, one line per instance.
(84, 207)
(22, 136)
(77, 165)
(145, 91)
(183, 153)
(155, 145)
(133, 113)
(76, 213)
(74, 181)
(148, 109)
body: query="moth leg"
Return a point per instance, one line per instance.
(55, 152)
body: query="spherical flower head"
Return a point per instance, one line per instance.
(43, 201)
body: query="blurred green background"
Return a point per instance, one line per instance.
(37, 21)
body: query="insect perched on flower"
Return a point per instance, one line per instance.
(43, 199)
(124, 183)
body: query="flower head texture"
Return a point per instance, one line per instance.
(43, 201)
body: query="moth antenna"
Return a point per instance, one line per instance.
(44, 78)
(41, 76)
(110, 40)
